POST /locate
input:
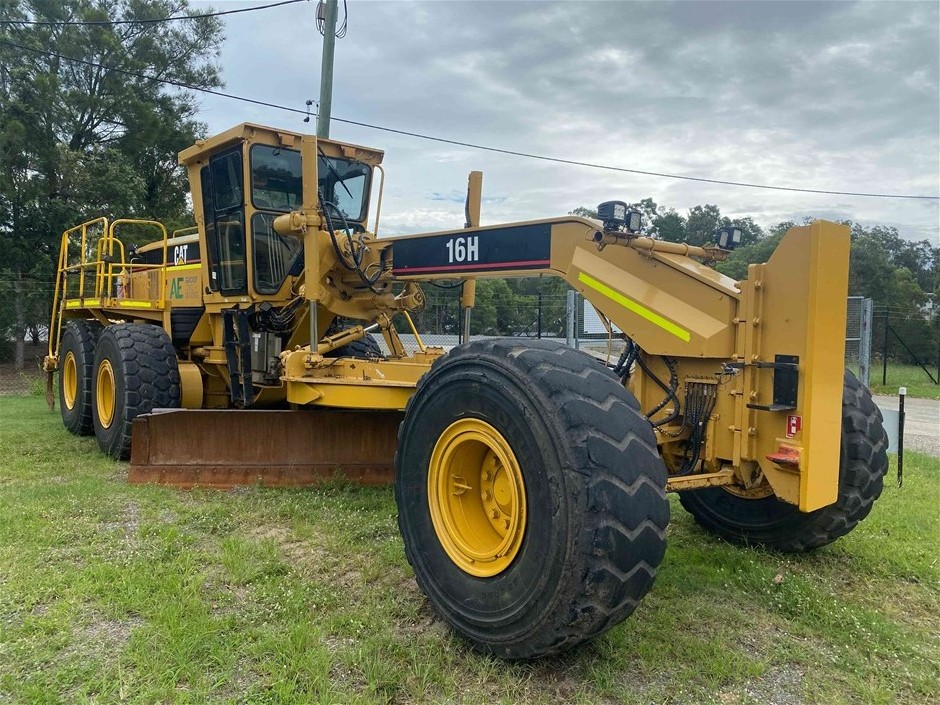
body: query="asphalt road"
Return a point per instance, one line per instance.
(921, 422)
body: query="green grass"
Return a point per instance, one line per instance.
(112, 593)
(911, 376)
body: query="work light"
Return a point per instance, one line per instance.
(616, 216)
(728, 237)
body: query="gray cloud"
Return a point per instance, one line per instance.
(837, 95)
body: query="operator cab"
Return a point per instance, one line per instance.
(246, 177)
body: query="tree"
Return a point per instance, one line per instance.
(751, 232)
(736, 264)
(701, 223)
(80, 140)
(669, 225)
(583, 212)
(901, 276)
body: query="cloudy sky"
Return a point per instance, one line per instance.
(825, 95)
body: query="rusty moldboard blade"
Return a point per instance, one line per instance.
(225, 448)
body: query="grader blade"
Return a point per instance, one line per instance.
(226, 448)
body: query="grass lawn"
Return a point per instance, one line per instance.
(911, 376)
(112, 593)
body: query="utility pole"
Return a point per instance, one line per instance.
(329, 7)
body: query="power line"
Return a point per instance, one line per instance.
(340, 32)
(158, 20)
(167, 81)
(471, 145)
(606, 167)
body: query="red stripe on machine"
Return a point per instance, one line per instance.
(464, 267)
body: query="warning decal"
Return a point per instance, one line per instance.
(794, 425)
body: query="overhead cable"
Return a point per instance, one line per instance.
(341, 30)
(156, 20)
(606, 167)
(167, 81)
(471, 145)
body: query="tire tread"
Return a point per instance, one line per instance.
(148, 363)
(863, 464)
(86, 335)
(624, 508)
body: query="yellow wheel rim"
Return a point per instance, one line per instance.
(105, 394)
(477, 497)
(69, 380)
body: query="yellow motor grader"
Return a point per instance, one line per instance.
(530, 477)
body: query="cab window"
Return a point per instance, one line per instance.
(276, 182)
(224, 213)
(344, 183)
(276, 185)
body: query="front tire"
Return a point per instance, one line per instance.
(531, 496)
(781, 526)
(136, 371)
(76, 370)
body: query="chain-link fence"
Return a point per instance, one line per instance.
(523, 308)
(24, 323)
(499, 311)
(905, 345)
(25, 378)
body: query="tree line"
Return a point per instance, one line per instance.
(78, 141)
(900, 275)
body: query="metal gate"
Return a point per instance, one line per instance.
(858, 336)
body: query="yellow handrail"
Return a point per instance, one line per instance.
(61, 281)
(109, 254)
(161, 302)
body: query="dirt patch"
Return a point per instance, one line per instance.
(102, 635)
(245, 677)
(296, 552)
(123, 535)
(270, 532)
(67, 557)
(128, 522)
(424, 623)
(779, 685)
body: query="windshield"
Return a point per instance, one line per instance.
(275, 178)
(345, 184)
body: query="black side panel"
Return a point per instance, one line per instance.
(513, 247)
(183, 321)
(176, 254)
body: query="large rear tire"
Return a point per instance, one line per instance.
(76, 369)
(531, 496)
(780, 526)
(136, 371)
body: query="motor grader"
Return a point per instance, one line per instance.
(530, 477)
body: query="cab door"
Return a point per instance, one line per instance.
(223, 189)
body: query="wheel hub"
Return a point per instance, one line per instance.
(69, 380)
(105, 394)
(476, 497)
